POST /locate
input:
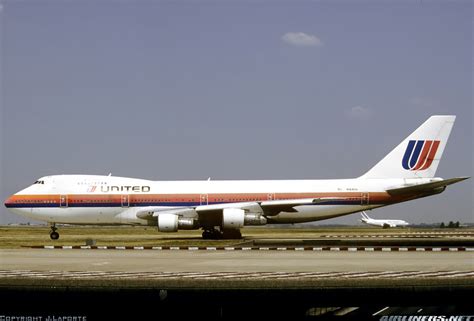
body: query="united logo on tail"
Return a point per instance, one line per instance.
(419, 154)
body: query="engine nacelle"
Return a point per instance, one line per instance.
(187, 223)
(254, 219)
(167, 222)
(233, 218)
(172, 222)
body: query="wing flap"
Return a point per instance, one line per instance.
(216, 207)
(299, 202)
(275, 206)
(267, 207)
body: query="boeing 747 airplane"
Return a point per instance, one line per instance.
(221, 208)
(382, 223)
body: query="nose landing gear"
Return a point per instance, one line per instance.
(53, 234)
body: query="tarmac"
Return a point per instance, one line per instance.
(276, 278)
(231, 261)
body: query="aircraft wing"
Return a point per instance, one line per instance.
(270, 207)
(425, 188)
(276, 206)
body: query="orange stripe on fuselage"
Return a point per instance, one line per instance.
(374, 198)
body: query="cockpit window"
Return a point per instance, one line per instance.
(39, 182)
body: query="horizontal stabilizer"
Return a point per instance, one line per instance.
(364, 215)
(427, 187)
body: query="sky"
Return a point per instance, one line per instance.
(175, 90)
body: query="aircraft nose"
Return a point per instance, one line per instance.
(9, 201)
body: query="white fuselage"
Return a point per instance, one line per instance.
(91, 199)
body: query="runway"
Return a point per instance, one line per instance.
(232, 261)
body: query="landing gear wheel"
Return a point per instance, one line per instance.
(211, 234)
(53, 234)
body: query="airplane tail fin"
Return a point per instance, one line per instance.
(364, 215)
(419, 154)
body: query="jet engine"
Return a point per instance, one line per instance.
(172, 222)
(233, 218)
(254, 219)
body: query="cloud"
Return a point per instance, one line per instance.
(301, 39)
(358, 112)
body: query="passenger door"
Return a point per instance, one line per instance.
(125, 200)
(63, 201)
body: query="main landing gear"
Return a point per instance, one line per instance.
(213, 234)
(53, 234)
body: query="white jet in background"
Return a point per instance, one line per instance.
(382, 223)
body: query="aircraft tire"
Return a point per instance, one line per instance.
(211, 234)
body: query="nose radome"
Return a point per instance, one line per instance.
(9, 201)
